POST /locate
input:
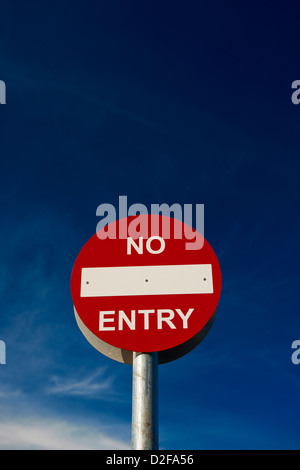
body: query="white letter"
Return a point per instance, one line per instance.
(184, 317)
(296, 354)
(138, 249)
(295, 99)
(2, 92)
(160, 318)
(139, 221)
(189, 233)
(130, 323)
(102, 320)
(146, 317)
(109, 219)
(165, 210)
(162, 245)
(2, 353)
(122, 217)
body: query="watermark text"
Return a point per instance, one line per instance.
(296, 94)
(178, 222)
(2, 352)
(296, 354)
(2, 92)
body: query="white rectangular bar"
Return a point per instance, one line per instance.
(147, 280)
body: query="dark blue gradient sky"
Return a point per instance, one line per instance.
(175, 102)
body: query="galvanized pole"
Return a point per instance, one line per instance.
(144, 434)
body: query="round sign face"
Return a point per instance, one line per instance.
(147, 290)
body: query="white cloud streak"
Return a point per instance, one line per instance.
(26, 425)
(51, 434)
(94, 384)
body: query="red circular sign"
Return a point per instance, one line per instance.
(145, 292)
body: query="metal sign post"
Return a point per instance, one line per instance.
(145, 401)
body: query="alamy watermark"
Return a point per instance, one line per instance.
(296, 94)
(2, 352)
(296, 354)
(2, 92)
(2, 101)
(138, 227)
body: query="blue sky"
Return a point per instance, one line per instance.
(161, 102)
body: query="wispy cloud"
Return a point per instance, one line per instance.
(50, 434)
(46, 370)
(93, 385)
(27, 423)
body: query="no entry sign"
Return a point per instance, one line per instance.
(147, 292)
